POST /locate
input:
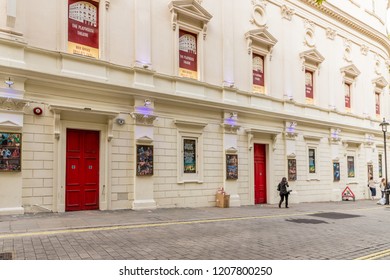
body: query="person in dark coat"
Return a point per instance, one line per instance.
(283, 191)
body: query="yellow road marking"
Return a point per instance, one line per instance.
(376, 255)
(163, 224)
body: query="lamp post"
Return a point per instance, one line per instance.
(384, 125)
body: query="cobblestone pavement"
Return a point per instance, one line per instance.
(335, 230)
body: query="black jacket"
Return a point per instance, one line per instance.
(283, 188)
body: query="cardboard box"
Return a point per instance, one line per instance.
(222, 200)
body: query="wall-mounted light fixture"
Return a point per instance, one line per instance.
(233, 115)
(8, 82)
(291, 127)
(147, 103)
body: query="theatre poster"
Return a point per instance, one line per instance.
(258, 73)
(188, 58)
(83, 27)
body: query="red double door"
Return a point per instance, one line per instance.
(260, 176)
(82, 170)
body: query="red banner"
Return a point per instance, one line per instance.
(347, 94)
(188, 59)
(258, 73)
(377, 104)
(309, 85)
(83, 27)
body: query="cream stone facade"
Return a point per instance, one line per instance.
(134, 97)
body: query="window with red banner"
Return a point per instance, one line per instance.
(309, 86)
(83, 27)
(258, 73)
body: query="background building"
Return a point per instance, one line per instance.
(117, 115)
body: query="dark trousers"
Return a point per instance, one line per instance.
(282, 196)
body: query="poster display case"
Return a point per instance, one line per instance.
(144, 160)
(10, 151)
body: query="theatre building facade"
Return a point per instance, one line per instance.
(144, 104)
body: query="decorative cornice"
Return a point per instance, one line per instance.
(287, 12)
(12, 104)
(380, 82)
(231, 150)
(259, 14)
(144, 140)
(350, 71)
(335, 135)
(260, 40)
(355, 24)
(142, 119)
(189, 9)
(369, 140)
(331, 33)
(230, 129)
(364, 49)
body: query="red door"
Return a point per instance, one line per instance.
(82, 170)
(260, 174)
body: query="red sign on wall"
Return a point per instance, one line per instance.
(188, 58)
(83, 27)
(258, 73)
(347, 94)
(377, 104)
(309, 85)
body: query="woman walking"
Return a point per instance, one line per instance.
(283, 191)
(371, 185)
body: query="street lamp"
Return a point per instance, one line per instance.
(384, 125)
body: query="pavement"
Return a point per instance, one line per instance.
(316, 231)
(38, 222)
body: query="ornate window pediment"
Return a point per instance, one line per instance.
(380, 82)
(260, 41)
(311, 59)
(189, 13)
(350, 71)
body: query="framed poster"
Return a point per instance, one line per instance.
(232, 167)
(189, 157)
(351, 166)
(10, 151)
(144, 160)
(336, 171)
(83, 27)
(312, 161)
(292, 169)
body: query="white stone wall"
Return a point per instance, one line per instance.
(138, 60)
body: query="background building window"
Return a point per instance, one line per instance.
(309, 86)
(347, 96)
(380, 165)
(377, 103)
